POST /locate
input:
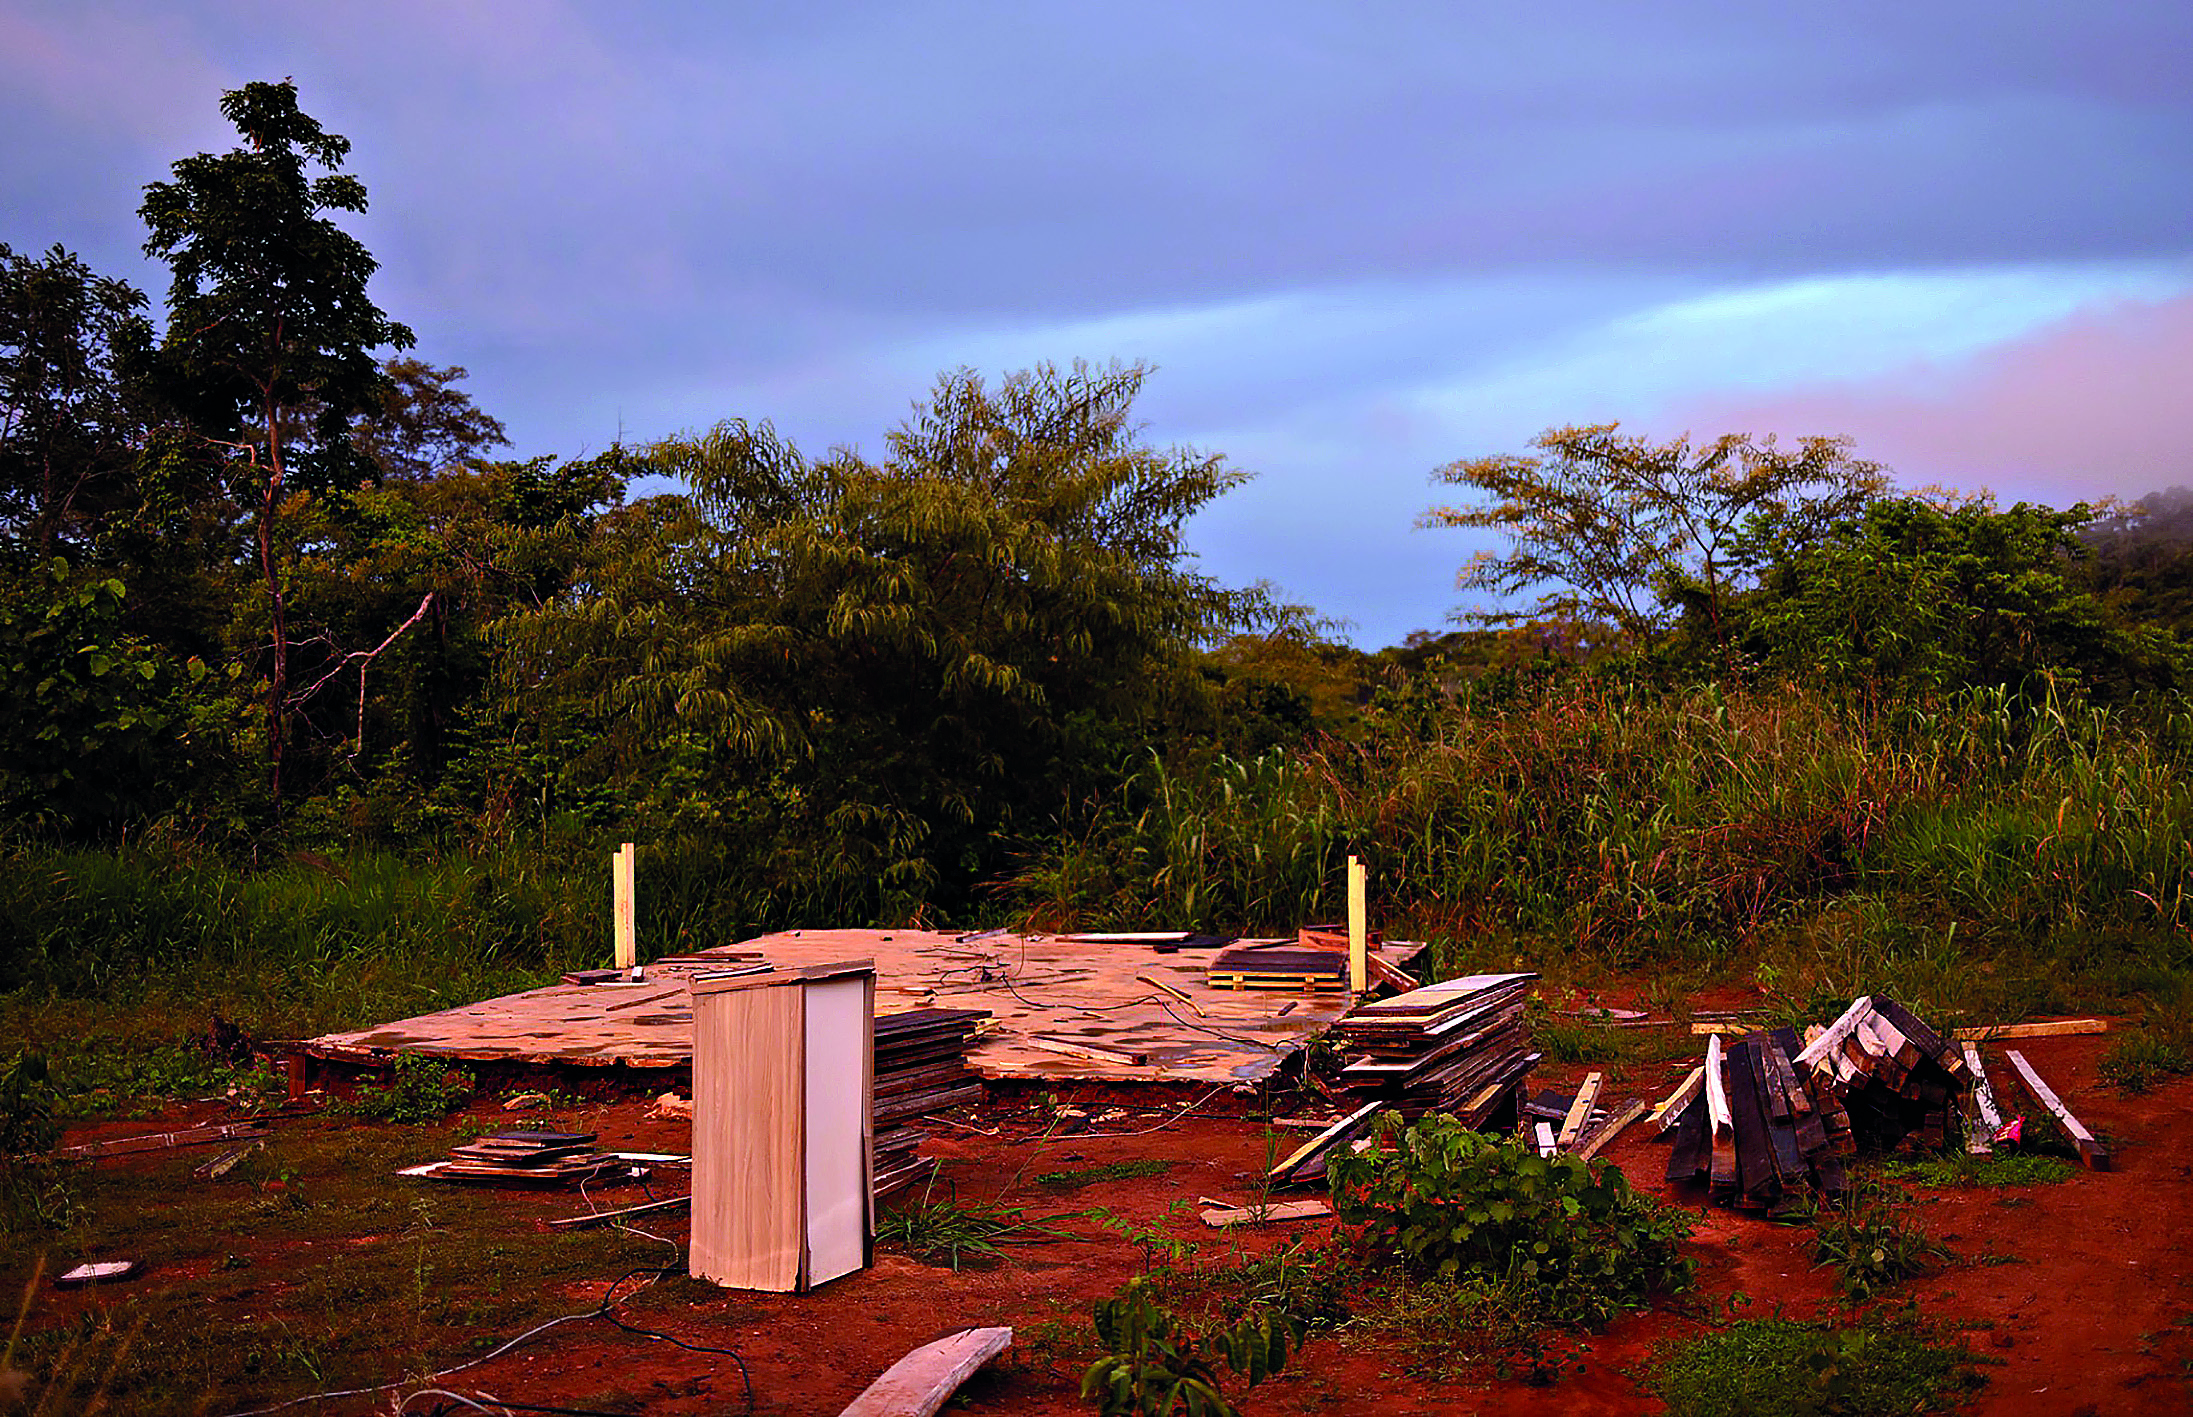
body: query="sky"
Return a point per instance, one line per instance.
(1357, 242)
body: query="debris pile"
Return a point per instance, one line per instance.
(531, 1158)
(1459, 1047)
(1770, 1115)
(921, 1068)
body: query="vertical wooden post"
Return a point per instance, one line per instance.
(624, 912)
(1359, 930)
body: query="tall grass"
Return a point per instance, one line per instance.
(1618, 827)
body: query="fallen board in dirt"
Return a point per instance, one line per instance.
(611, 1217)
(158, 1141)
(2091, 1151)
(919, 1384)
(1085, 993)
(1225, 1217)
(2044, 1028)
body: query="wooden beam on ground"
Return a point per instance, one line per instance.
(1987, 1118)
(2044, 1028)
(1818, 1047)
(610, 1217)
(157, 1141)
(1670, 1108)
(2091, 1151)
(1572, 1126)
(1542, 1138)
(1613, 1127)
(919, 1384)
(1221, 1215)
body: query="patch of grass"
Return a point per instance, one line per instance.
(1960, 1170)
(1468, 1329)
(1094, 1175)
(942, 1231)
(2137, 1061)
(1786, 1368)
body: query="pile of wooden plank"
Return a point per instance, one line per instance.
(921, 1068)
(527, 1158)
(1769, 1115)
(1458, 1047)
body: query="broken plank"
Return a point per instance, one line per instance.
(919, 1384)
(1332, 1136)
(1542, 1138)
(2091, 1151)
(1572, 1126)
(1610, 1129)
(1095, 1053)
(1222, 1216)
(2045, 1028)
(1987, 1117)
(611, 1217)
(1669, 1110)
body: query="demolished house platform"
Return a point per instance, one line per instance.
(1065, 1008)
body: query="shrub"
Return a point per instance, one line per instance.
(419, 1089)
(1459, 1205)
(1870, 1242)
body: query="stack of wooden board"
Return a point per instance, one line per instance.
(921, 1068)
(1458, 1046)
(1759, 1130)
(1278, 966)
(1895, 1076)
(1773, 1116)
(532, 1158)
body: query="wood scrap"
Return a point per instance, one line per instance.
(1220, 1215)
(1669, 1109)
(919, 1384)
(1307, 1163)
(158, 1141)
(1572, 1126)
(600, 1218)
(1987, 1117)
(2091, 1151)
(1605, 1133)
(2044, 1028)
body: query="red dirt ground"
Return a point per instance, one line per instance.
(2082, 1292)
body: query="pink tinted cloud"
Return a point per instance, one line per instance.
(2099, 403)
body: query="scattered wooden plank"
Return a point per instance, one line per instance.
(1829, 1040)
(1314, 1149)
(1169, 989)
(2091, 1151)
(1221, 1216)
(97, 1272)
(1669, 1110)
(1572, 1126)
(611, 1217)
(1610, 1129)
(2044, 1028)
(919, 1384)
(1542, 1138)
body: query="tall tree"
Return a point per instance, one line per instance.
(1637, 533)
(68, 430)
(270, 339)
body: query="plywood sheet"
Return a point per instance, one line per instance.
(1039, 987)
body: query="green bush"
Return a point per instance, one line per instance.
(1153, 1367)
(419, 1089)
(1458, 1204)
(1871, 1243)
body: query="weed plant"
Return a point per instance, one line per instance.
(1961, 1170)
(1870, 1240)
(1153, 1365)
(418, 1089)
(940, 1230)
